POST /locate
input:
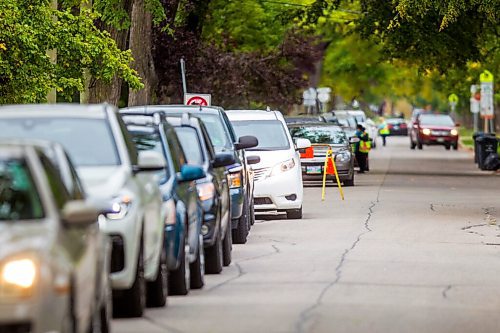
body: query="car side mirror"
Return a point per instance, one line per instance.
(191, 172)
(79, 213)
(149, 161)
(302, 144)
(223, 159)
(245, 142)
(354, 139)
(253, 160)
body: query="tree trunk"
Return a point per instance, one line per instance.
(100, 91)
(141, 31)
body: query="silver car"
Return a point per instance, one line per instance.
(111, 170)
(324, 137)
(54, 261)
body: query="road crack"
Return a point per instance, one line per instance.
(306, 315)
(444, 293)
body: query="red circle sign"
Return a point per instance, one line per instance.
(477, 96)
(197, 100)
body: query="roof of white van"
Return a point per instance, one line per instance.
(254, 115)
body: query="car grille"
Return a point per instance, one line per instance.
(262, 201)
(440, 133)
(15, 328)
(260, 173)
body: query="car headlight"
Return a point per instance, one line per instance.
(234, 179)
(454, 132)
(206, 191)
(426, 131)
(18, 277)
(342, 157)
(283, 167)
(119, 207)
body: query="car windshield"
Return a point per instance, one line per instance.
(149, 139)
(346, 121)
(216, 131)
(395, 121)
(190, 144)
(270, 133)
(320, 134)
(19, 199)
(436, 120)
(89, 142)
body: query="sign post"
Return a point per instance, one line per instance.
(487, 104)
(474, 105)
(310, 96)
(198, 99)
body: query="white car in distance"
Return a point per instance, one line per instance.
(278, 176)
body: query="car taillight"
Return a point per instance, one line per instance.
(309, 153)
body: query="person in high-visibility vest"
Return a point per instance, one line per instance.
(384, 131)
(362, 148)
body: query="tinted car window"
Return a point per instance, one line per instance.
(145, 139)
(436, 120)
(59, 191)
(19, 198)
(89, 142)
(270, 133)
(320, 134)
(190, 145)
(215, 127)
(178, 157)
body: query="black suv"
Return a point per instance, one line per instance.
(213, 190)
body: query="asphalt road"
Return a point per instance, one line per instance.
(414, 248)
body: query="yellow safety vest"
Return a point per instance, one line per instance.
(365, 146)
(385, 130)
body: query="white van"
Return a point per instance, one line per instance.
(278, 175)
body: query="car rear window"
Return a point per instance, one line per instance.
(191, 145)
(19, 198)
(89, 142)
(216, 129)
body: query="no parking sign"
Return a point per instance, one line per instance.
(198, 99)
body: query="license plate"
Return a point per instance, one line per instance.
(440, 139)
(313, 170)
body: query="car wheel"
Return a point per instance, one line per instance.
(132, 302)
(180, 279)
(213, 256)
(294, 214)
(158, 289)
(455, 146)
(198, 267)
(252, 213)
(227, 247)
(447, 147)
(349, 182)
(240, 234)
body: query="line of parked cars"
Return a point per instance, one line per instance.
(106, 212)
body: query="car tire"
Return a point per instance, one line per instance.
(198, 267)
(240, 234)
(294, 214)
(180, 279)
(132, 302)
(158, 289)
(455, 146)
(349, 182)
(447, 147)
(227, 247)
(214, 256)
(252, 213)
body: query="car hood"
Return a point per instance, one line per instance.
(103, 182)
(438, 127)
(24, 237)
(268, 159)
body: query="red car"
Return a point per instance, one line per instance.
(434, 129)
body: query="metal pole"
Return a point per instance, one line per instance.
(183, 75)
(476, 122)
